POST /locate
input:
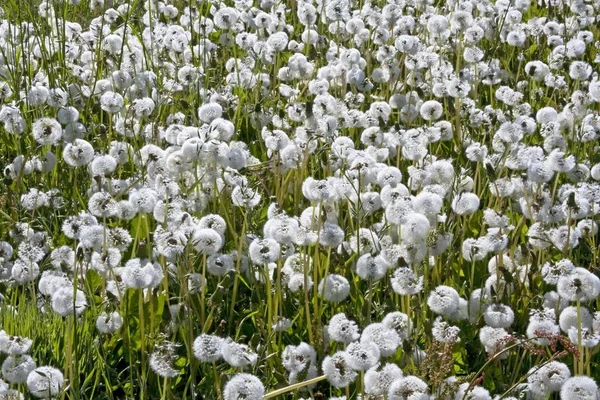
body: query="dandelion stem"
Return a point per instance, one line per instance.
(579, 359)
(307, 304)
(294, 387)
(203, 293)
(142, 343)
(236, 278)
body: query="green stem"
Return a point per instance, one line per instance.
(236, 279)
(142, 343)
(295, 386)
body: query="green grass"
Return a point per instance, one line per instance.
(238, 305)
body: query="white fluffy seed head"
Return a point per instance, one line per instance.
(443, 300)
(465, 203)
(570, 317)
(109, 322)
(16, 368)
(409, 384)
(208, 348)
(378, 382)
(385, 338)
(499, 316)
(209, 112)
(341, 329)
(237, 354)
(554, 374)
(243, 386)
(580, 284)
(66, 302)
(362, 355)
(45, 382)
(334, 288)
(579, 388)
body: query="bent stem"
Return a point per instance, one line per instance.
(295, 386)
(527, 375)
(492, 359)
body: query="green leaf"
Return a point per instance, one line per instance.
(532, 49)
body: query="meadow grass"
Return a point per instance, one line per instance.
(168, 285)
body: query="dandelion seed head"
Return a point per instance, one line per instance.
(580, 284)
(331, 235)
(102, 204)
(341, 329)
(45, 382)
(443, 300)
(579, 388)
(405, 281)
(37, 95)
(337, 369)
(334, 288)
(378, 382)
(24, 271)
(296, 283)
(207, 241)
(109, 322)
(569, 318)
(371, 268)
(284, 229)
(141, 274)
(472, 393)
(78, 153)
(208, 348)
(237, 354)
(465, 203)
(385, 338)
(243, 196)
(493, 339)
(162, 358)
(46, 131)
(34, 199)
(209, 112)
(399, 322)
(264, 251)
(169, 243)
(499, 316)
(545, 326)
(444, 332)
(298, 358)
(365, 241)
(244, 386)
(14, 345)
(219, 264)
(51, 281)
(408, 388)
(362, 355)
(65, 302)
(16, 368)
(225, 17)
(103, 165)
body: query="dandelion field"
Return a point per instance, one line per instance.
(331, 199)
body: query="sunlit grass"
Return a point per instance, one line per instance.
(172, 298)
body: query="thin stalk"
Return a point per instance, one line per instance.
(579, 364)
(142, 343)
(236, 278)
(295, 386)
(203, 293)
